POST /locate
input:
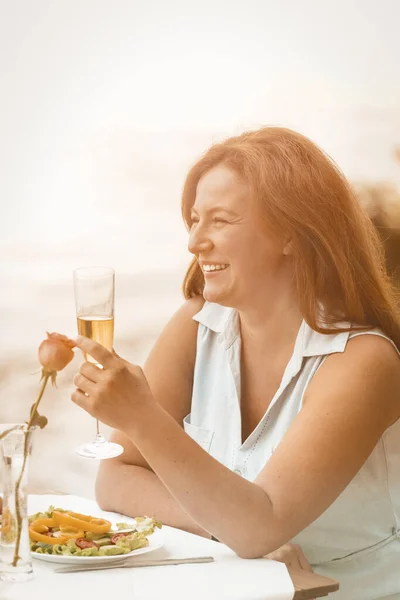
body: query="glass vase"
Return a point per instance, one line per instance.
(15, 555)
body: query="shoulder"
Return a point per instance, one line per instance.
(183, 319)
(169, 366)
(179, 334)
(372, 350)
(190, 307)
(372, 343)
(366, 373)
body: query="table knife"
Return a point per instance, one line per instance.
(130, 563)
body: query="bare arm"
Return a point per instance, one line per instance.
(352, 400)
(127, 484)
(350, 403)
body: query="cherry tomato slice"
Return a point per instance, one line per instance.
(118, 536)
(84, 543)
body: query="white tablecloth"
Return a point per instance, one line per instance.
(228, 577)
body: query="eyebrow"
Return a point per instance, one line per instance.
(215, 209)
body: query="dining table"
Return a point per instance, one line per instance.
(226, 576)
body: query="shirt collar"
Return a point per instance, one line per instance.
(225, 321)
(214, 316)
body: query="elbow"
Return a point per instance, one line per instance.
(258, 541)
(250, 553)
(262, 545)
(252, 548)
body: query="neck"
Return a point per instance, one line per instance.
(272, 327)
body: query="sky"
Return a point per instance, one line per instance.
(104, 105)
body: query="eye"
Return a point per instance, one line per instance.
(219, 220)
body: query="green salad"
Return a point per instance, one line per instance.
(58, 531)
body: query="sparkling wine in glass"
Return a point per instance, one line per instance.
(94, 289)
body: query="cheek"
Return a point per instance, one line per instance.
(258, 257)
(256, 246)
(248, 247)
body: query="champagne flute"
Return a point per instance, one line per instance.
(94, 289)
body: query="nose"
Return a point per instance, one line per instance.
(199, 241)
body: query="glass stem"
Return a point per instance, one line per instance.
(99, 439)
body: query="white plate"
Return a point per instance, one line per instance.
(155, 542)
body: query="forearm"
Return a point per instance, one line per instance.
(134, 491)
(234, 510)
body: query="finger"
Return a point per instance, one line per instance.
(303, 562)
(125, 362)
(91, 371)
(62, 338)
(81, 400)
(84, 384)
(100, 353)
(276, 555)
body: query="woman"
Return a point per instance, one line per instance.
(267, 413)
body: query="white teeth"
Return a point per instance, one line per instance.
(214, 267)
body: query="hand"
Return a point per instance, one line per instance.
(292, 555)
(113, 394)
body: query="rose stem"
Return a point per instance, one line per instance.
(17, 485)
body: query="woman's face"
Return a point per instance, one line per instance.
(242, 260)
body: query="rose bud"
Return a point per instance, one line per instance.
(56, 352)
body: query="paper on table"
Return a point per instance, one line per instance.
(228, 578)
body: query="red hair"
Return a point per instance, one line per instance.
(338, 257)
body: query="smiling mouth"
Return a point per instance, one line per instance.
(207, 269)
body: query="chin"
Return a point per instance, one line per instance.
(212, 295)
(217, 296)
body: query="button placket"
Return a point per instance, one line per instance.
(238, 462)
(240, 469)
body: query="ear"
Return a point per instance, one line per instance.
(288, 248)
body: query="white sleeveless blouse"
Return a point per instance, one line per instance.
(357, 539)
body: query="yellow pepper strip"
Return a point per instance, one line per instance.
(84, 522)
(45, 539)
(39, 528)
(44, 523)
(72, 533)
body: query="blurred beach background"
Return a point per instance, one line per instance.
(105, 105)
